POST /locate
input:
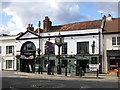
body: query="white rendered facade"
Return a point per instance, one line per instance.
(8, 49)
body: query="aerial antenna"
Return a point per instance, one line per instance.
(39, 24)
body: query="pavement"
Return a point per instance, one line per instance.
(88, 76)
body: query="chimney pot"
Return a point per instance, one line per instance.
(28, 25)
(31, 25)
(21, 33)
(109, 15)
(104, 16)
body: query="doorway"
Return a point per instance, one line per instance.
(83, 64)
(27, 65)
(27, 57)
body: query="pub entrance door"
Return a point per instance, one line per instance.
(27, 57)
(83, 64)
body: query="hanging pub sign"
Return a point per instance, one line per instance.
(49, 46)
(25, 57)
(93, 67)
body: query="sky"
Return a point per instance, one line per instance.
(15, 15)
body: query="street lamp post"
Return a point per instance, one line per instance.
(39, 47)
(59, 41)
(93, 51)
(49, 66)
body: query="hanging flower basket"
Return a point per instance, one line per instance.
(57, 55)
(17, 56)
(42, 56)
(70, 55)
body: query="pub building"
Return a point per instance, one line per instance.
(82, 46)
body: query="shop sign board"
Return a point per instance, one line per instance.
(24, 57)
(93, 67)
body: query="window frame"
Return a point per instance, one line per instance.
(87, 49)
(65, 48)
(7, 64)
(116, 41)
(10, 49)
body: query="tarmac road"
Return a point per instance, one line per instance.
(18, 82)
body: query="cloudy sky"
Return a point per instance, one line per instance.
(15, 15)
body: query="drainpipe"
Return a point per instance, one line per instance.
(39, 48)
(100, 58)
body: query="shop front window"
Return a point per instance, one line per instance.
(94, 60)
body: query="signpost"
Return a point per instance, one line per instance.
(94, 67)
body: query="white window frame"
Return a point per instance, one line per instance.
(7, 65)
(8, 51)
(116, 41)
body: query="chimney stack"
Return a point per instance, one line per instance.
(104, 17)
(30, 27)
(109, 17)
(46, 24)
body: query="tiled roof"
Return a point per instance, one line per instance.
(112, 26)
(78, 26)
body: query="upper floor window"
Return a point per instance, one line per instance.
(118, 40)
(115, 40)
(82, 47)
(9, 49)
(0, 49)
(64, 48)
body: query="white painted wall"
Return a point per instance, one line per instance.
(7, 41)
(107, 45)
(71, 41)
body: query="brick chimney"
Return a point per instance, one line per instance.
(109, 17)
(103, 21)
(30, 27)
(46, 24)
(104, 17)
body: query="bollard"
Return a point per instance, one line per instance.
(97, 72)
(80, 71)
(49, 70)
(118, 72)
(65, 71)
(52, 70)
(41, 70)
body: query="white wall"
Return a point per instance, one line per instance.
(107, 45)
(7, 41)
(72, 41)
